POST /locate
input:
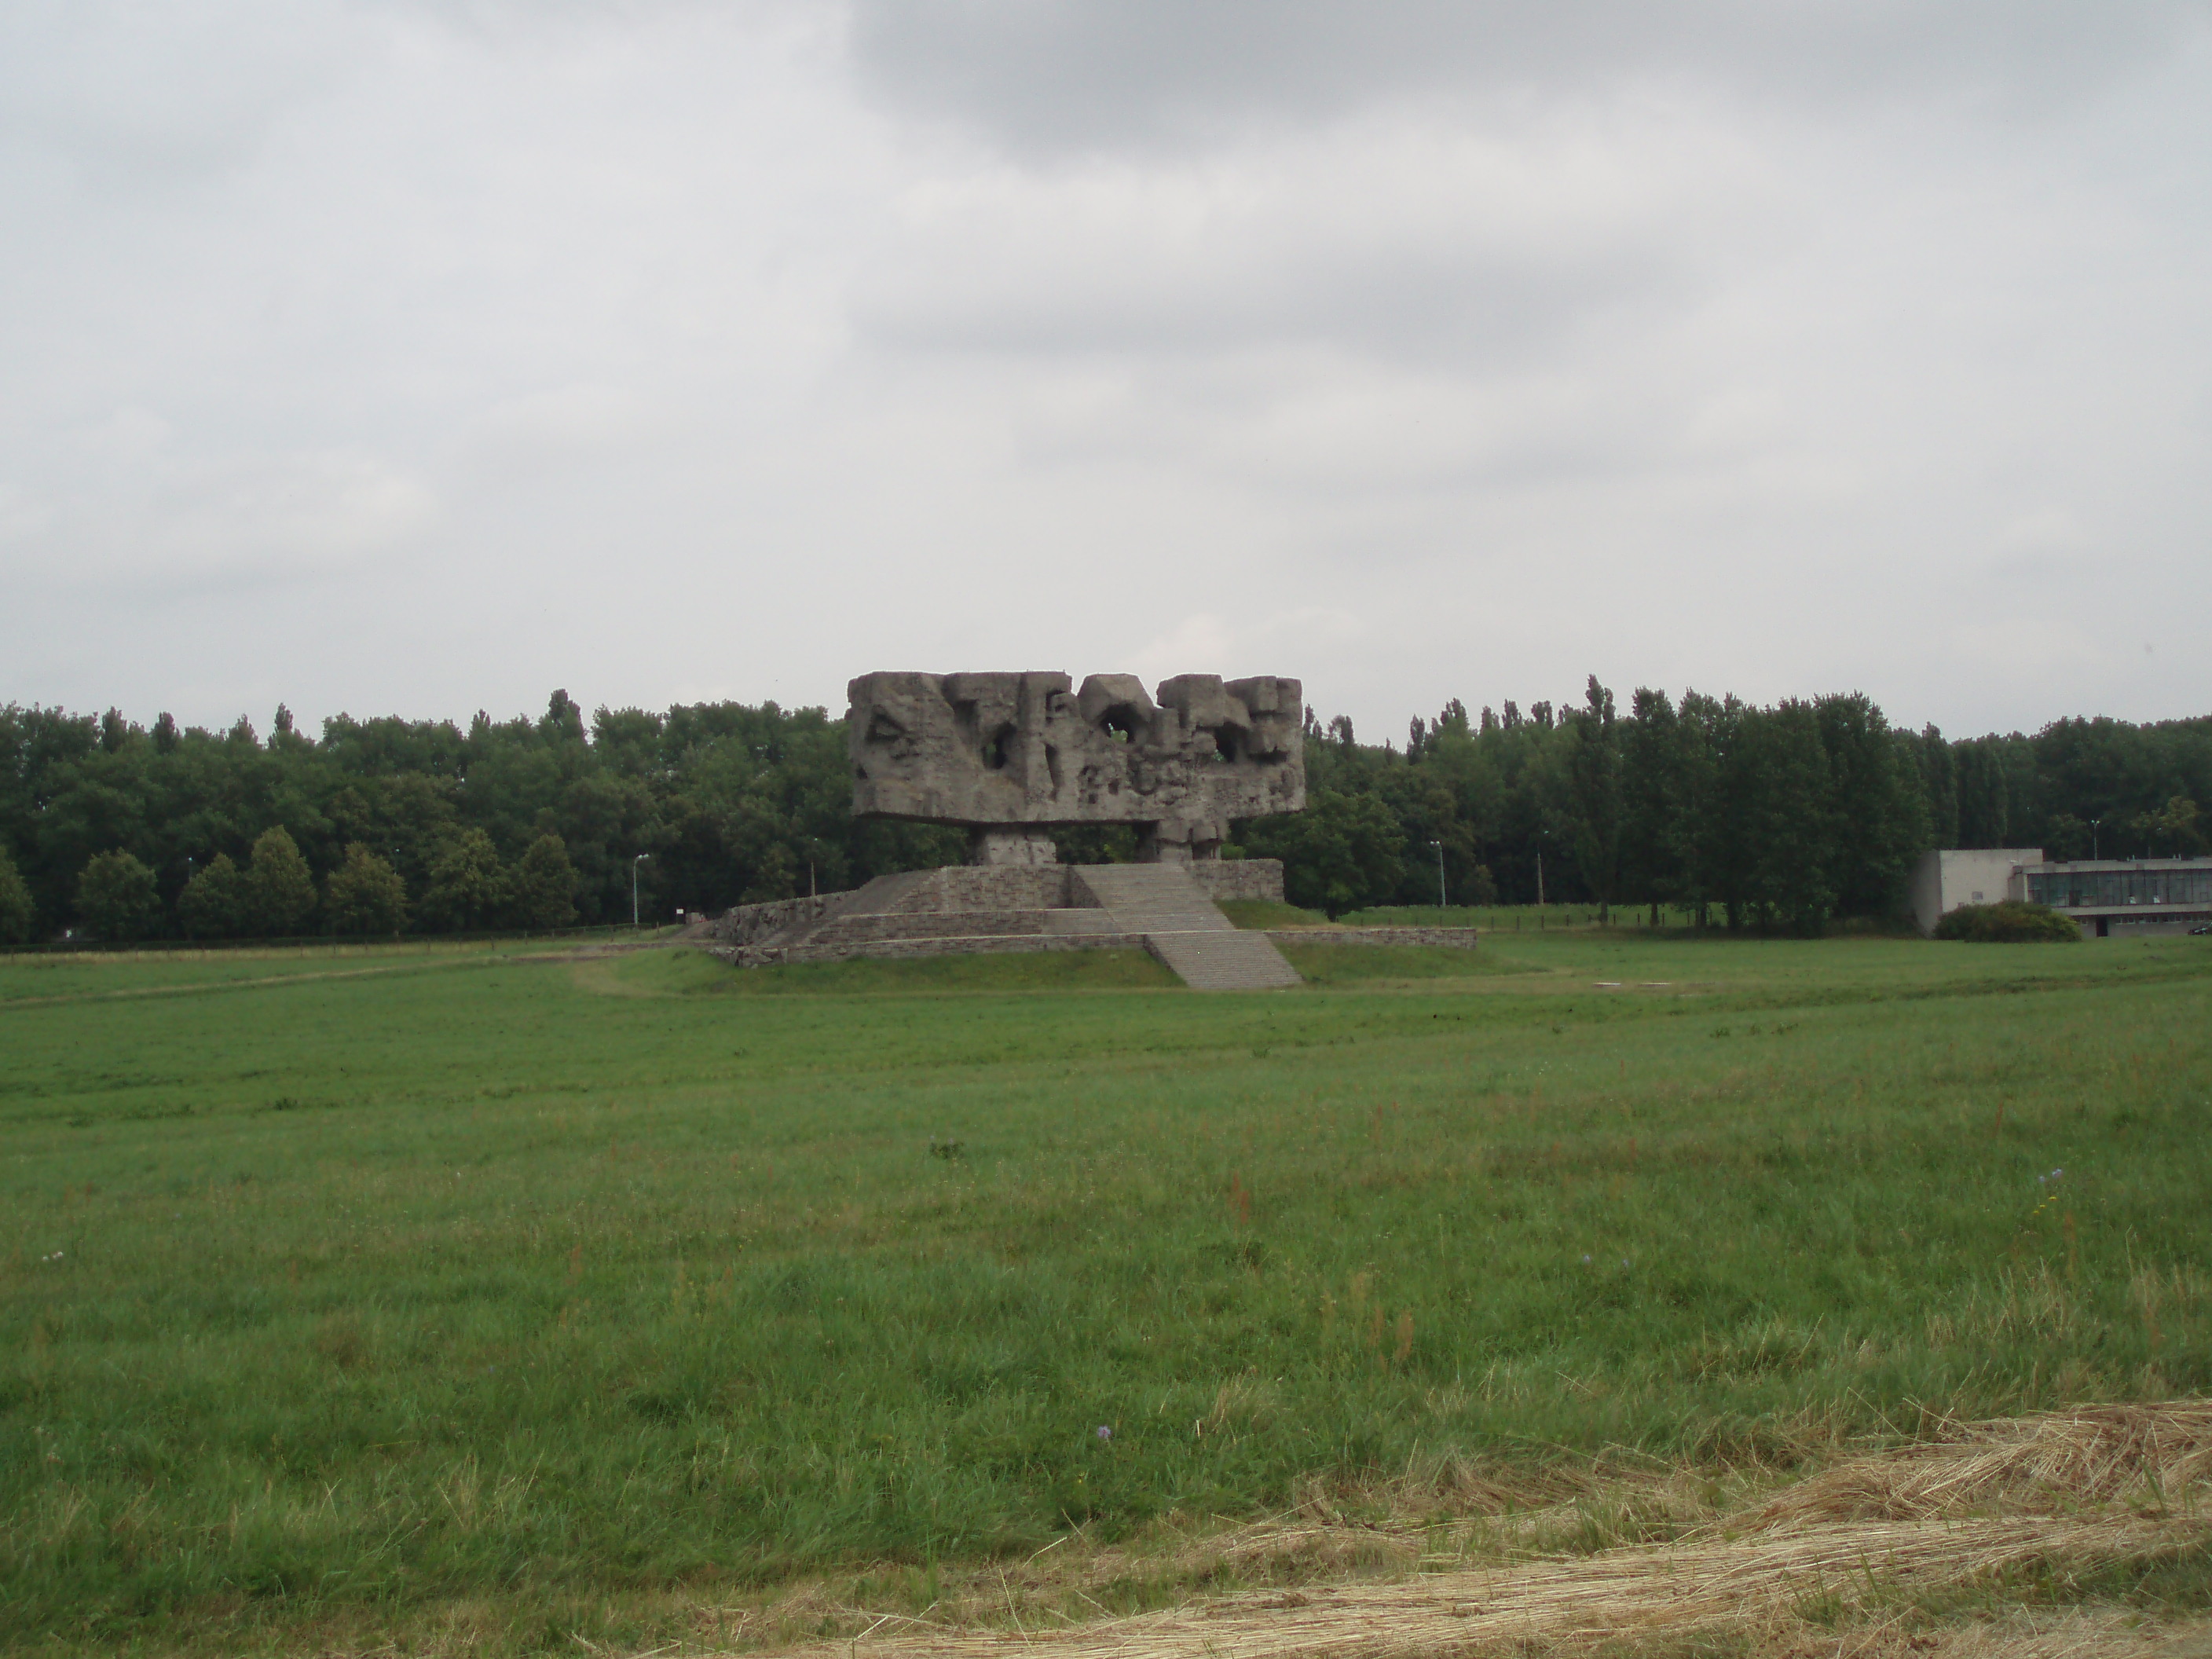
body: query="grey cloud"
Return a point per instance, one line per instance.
(137, 98)
(427, 354)
(1488, 312)
(1060, 75)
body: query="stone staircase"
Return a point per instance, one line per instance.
(1184, 928)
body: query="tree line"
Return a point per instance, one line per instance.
(1785, 816)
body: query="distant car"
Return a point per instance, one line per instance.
(2200, 928)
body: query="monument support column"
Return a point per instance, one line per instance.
(1165, 842)
(1014, 844)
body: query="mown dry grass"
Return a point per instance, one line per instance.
(1972, 1541)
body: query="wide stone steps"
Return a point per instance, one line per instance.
(1160, 895)
(1185, 929)
(1227, 960)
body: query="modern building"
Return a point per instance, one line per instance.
(2138, 896)
(1943, 881)
(2103, 894)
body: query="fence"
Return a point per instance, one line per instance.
(1519, 918)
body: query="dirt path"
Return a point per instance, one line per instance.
(593, 951)
(1849, 1562)
(208, 987)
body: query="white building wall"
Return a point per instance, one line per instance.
(1982, 875)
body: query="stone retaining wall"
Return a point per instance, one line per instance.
(1238, 878)
(972, 887)
(745, 923)
(988, 887)
(1462, 938)
(749, 956)
(893, 949)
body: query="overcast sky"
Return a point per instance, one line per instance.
(420, 357)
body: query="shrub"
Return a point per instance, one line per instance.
(468, 883)
(117, 895)
(542, 888)
(364, 895)
(213, 903)
(2009, 922)
(279, 892)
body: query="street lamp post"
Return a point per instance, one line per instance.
(2094, 823)
(633, 863)
(1442, 902)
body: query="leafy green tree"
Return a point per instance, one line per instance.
(1340, 854)
(1650, 871)
(1878, 805)
(279, 890)
(213, 903)
(1418, 798)
(1793, 817)
(1984, 808)
(2171, 832)
(1939, 783)
(364, 895)
(468, 884)
(542, 890)
(117, 895)
(19, 916)
(2066, 837)
(735, 801)
(1593, 817)
(1711, 842)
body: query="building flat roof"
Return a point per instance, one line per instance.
(2085, 867)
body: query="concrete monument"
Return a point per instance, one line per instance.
(1011, 755)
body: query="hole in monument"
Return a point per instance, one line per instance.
(1120, 724)
(999, 749)
(1224, 742)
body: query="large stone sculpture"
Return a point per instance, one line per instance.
(1010, 755)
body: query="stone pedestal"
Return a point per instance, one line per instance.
(1020, 845)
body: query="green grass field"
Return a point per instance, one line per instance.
(355, 1300)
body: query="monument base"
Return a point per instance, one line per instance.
(1167, 909)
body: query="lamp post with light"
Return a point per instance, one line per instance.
(633, 863)
(1442, 902)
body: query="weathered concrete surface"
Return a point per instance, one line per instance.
(1239, 878)
(1167, 909)
(1009, 754)
(962, 888)
(1459, 938)
(1184, 928)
